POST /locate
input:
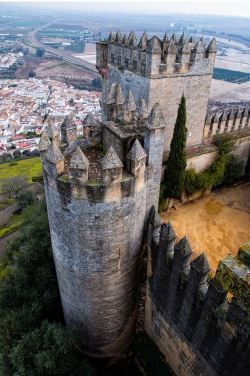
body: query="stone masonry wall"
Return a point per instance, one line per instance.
(96, 249)
(201, 327)
(167, 92)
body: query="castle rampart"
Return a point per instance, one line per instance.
(200, 325)
(227, 121)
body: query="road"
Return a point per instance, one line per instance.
(61, 54)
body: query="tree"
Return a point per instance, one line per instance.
(176, 163)
(17, 154)
(25, 199)
(12, 186)
(6, 157)
(31, 343)
(49, 350)
(32, 74)
(40, 52)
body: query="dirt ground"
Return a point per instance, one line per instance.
(89, 53)
(58, 70)
(229, 92)
(216, 225)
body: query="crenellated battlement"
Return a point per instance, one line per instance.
(88, 172)
(152, 57)
(227, 120)
(204, 321)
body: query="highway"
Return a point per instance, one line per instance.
(67, 56)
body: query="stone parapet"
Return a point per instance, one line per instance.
(235, 119)
(204, 322)
(152, 57)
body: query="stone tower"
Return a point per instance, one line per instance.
(159, 71)
(98, 200)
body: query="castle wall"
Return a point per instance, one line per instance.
(203, 159)
(197, 328)
(201, 162)
(96, 251)
(167, 91)
(177, 351)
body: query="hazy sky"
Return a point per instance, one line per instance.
(220, 7)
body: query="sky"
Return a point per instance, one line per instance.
(217, 7)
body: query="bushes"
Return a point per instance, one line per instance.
(224, 170)
(233, 170)
(201, 181)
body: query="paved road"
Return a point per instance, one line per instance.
(67, 56)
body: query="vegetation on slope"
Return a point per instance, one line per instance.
(33, 339)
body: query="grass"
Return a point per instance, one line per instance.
(14, 224)
(28, 167)
(5, 203)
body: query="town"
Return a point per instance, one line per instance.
(24, 104)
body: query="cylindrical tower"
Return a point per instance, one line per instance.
(96, 214)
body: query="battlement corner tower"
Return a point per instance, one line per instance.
(160, 70)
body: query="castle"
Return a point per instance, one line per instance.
(102, 192)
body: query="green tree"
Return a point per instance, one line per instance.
(176, 163)
(40, 52)
(49, 350)
(13, 186)
(32, 74)
(30, 341)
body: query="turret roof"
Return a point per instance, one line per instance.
(89, 120)
(184, 248)
(171, 47)
(118, 37)
(143, 110)
(51, 130)
(53, 154)
(155, 118)
(68, 122)
(200, 263)
(78, 160)
(131, 105)
(111, 37)
(111, 160)
(132, 40)
(212, 47)
(167, 232)
(154, 45)
(137, 152)
(120, 99)
(143, 41)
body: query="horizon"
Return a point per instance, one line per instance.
(178, 7)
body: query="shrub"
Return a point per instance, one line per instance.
(233, 170)
(12, 163)
(25, 199)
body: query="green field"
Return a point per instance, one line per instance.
(230, 75)
(16, 221)
(28, 167)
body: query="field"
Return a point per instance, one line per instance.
(14, 224)
(230, 75)
(224, 91)
(27, 167)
